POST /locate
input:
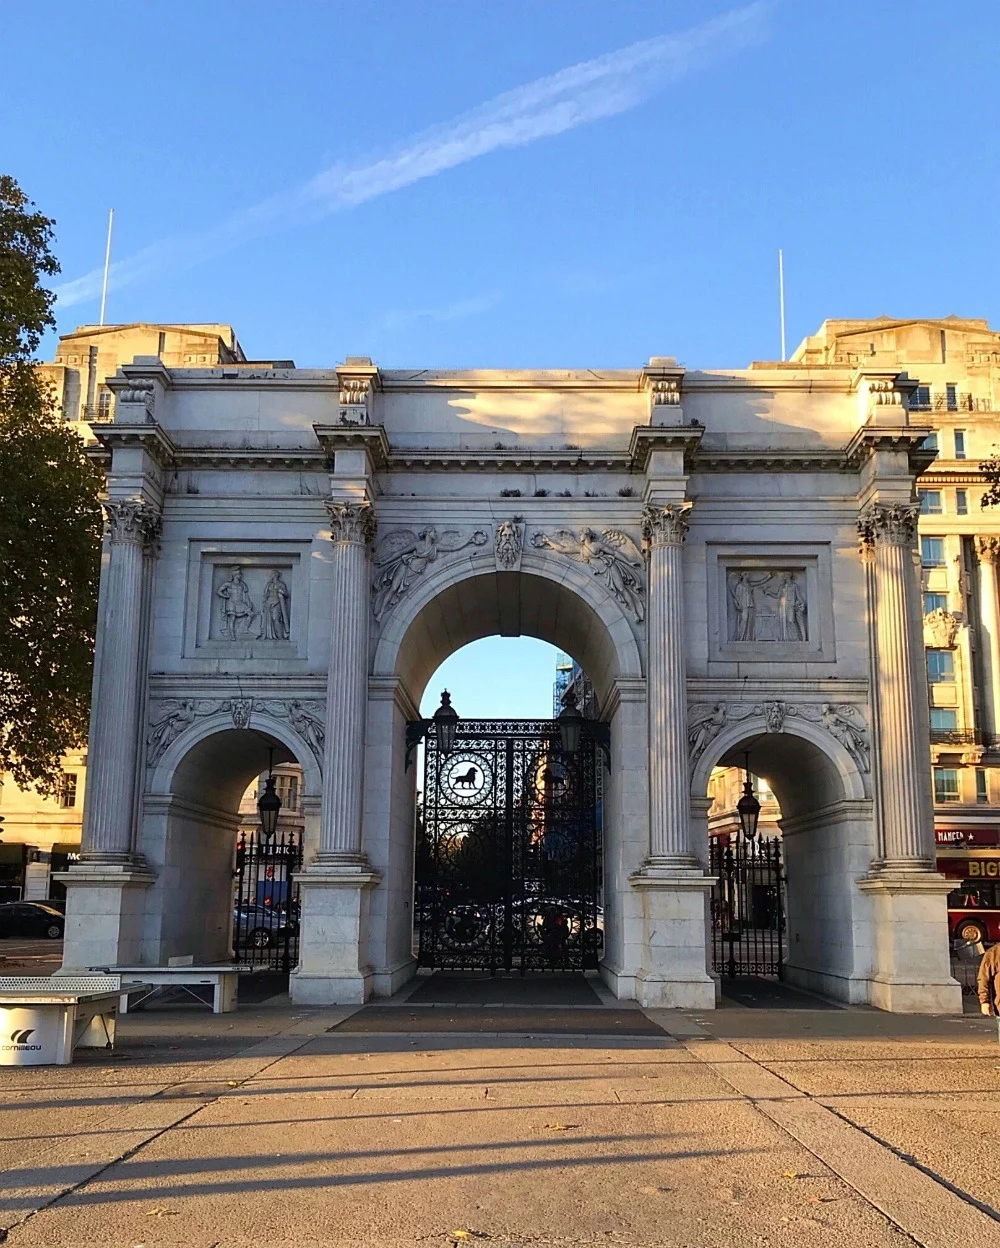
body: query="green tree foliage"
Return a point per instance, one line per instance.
(50, 522)
(989, 470)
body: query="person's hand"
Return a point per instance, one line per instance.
(985, 1008)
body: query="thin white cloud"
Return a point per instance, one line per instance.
(572, 97)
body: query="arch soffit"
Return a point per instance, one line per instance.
(599, 607)
(162, 779)
(731, 737)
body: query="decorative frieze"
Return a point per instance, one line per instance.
(168, 719)
(353, 523)
(843, 721)
(403, 554)
(665, 526)
(132, 520)
(611, 555)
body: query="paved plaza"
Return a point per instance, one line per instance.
(491, 1111)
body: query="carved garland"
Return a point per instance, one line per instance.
(169, 718)
(843, 721)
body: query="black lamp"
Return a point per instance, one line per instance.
(269, 805)
(748, 808)
(570, 723)
(446, 723)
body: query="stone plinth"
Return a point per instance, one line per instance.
(105, 906)
(332, 967)
(674, 937)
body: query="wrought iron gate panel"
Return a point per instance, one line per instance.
(266, 900)
(748, 918)
(508, 872)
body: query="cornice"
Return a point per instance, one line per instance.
(371, 438)
(150, 438)
(649, 438)
(298, 459)
(509, 461)
(770, 461)
(907, 438)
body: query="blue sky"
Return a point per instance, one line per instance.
(525, 182)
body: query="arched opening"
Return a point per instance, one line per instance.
(813, 803)
(572, 614)
(199, 810)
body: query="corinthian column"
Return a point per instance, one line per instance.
(665, 528)
(988, 551)
(114, 742)
(887, 534)
(352, 530)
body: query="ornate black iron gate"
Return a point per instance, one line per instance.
(508, 870)
(266, 902)
(748, 918)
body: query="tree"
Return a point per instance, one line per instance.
(50, 522)
(989, 470)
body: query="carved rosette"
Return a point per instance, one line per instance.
(888, 524)
(131, 520)
(988, 549)
(665, 526)
(352, 523)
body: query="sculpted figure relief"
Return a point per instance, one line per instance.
(940, 629)
(753, 618)
(611, 555)
(402, 556)
(238, 610)
(508, 541)
(274, 611)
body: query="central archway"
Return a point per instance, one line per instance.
(451, 607)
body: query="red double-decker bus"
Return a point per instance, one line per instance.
(974, 902)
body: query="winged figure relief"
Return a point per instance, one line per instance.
(612, 556)
(402, 555)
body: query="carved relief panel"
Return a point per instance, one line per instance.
(770, 603)
(246, 602)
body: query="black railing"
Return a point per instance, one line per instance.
(958, 402)
(942, 737)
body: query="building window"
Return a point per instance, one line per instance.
(982, 789)
(944, 719)
(962, 502)
(921, 398)
(940, 667)
(930, 502)
(935, 602)
(960, 444)
(67, 791)
(930, 443)
(946, 785)
(932, 552)
(951, 396)
(287, 788)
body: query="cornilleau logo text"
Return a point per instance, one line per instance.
(21, 1037)
(19, 1041)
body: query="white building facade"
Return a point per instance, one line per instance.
(731, 557)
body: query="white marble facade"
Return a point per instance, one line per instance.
(292, 553)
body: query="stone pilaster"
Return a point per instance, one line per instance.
(664, 530)
(336, 886)
(352, 529)
(107, 835)
(988, 553)
(911, 971)
(671, 884)
(889, 530)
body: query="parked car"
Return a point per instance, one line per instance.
(31, 918)
(261, 927)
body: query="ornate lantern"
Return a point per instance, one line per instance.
(748, 808)
(445, 721)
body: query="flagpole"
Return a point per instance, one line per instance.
(781, 298)
(107, 264)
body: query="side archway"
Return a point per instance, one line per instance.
(828, 843)
(191, 816)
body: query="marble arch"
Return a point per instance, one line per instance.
(308, 544)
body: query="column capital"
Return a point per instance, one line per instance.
(666, 524)
(352, 523)
(131, 520)
(888, 524)
(988, 549)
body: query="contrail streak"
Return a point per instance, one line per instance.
(572, 97)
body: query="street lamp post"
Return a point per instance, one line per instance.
(269, 805)
(748, 808)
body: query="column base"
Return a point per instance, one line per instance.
(332, 967)
(104, 912)
(911, 961)
(674, 953)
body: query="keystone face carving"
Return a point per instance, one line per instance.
(508, 544)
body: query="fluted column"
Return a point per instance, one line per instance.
(352, 529)
(888, 531)
(114, 745)
(664, 529)
(988, 552)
